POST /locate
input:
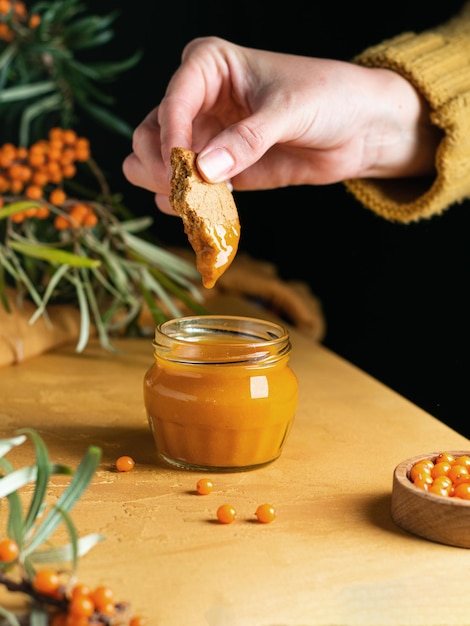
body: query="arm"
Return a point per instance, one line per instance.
(436, 62)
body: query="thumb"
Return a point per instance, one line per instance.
(238, 147)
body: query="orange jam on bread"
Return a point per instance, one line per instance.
(221, 395)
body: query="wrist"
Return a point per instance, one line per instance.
(400, 141)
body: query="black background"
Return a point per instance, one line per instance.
(395, 296)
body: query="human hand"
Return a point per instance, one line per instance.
(263, 120)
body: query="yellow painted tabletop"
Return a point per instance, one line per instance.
(333, 556)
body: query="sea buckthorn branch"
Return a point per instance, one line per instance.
(44, 52)
(26, 554)
(56, 247)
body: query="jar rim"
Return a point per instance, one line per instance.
(247, 339)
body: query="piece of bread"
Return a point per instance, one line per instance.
(209, 214)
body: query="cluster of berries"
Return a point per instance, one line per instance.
(446, 475)
(37, 174)
(78, 606)
(226, 513)
(14, 12)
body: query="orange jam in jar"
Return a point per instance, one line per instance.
(221, 395)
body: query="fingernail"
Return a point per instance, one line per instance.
(215, 164)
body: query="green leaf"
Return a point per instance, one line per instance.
(84, 334)
(96, 314)
(35, 110)
(17, 207)
(19, 478)
(7, 444)
(53, 255)
(12, 620)
(22, 92)
(38, 616)
(43, 472)
(53, 282)
(67, 500)
(65, 552)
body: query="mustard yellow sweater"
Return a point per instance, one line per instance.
(437, 63)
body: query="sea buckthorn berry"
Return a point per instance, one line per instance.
(138, 620)
(204, 486)
(61, 222)
(33, 192)
(463, 460)
(57, 197)
(101, 596)
(46, 581)
(420, 470)
(226, 514)
(440, 490)
(81, 606)
(266, 513)
(462, 490)
(80, 589)
(423, 483)
(456, 472)
(125, 463)
(423, 479)
(444, 456)
(9, 550)
(440, 468)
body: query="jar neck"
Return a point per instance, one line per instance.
(221, 340)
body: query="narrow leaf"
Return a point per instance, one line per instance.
(53, 255)
(68, 499)
(7, 444)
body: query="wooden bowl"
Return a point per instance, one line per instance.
(437, 518)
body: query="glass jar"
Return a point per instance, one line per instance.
(220, 396)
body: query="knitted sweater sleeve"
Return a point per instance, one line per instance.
(437, 63)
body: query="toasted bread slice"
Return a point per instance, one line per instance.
(209, 214)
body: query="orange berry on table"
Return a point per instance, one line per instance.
(204, 486)
(9, 550)
(138, 620)
(125, 463)
(46, 581)
(266, 513)
(226, 514)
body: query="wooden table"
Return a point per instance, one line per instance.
(333, 556)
